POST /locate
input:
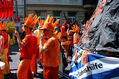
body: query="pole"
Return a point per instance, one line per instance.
(16, 8)
(24, 8)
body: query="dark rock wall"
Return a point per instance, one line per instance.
(103, 34)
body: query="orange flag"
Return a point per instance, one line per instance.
(10, 11)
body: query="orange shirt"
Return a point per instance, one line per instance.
(51, 58)
(29, 48)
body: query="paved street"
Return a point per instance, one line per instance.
(14, 62)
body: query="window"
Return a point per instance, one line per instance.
(55, 18)
(43, 15)
(56, 13)
(37, 12)
(72, 16)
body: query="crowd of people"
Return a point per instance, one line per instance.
(47, 43)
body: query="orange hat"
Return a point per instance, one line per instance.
(49, 24)
(30, 22)
(75, 28)
(3, 26)
(58, 34)
(41, 23)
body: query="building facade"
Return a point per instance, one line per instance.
(89, 7)
(75, 10)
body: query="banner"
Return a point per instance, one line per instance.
(6, 9)
(10, 11)
(93, 66)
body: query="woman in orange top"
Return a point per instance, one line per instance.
(27, 48)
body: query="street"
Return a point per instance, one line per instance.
(14, 62)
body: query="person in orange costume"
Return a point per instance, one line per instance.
(27, 48)
(50, 49)
(1, 53)
(64, 38)
(5, 56)
(76, 36)
(36, 57)
(70, 40)
(65, 43)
